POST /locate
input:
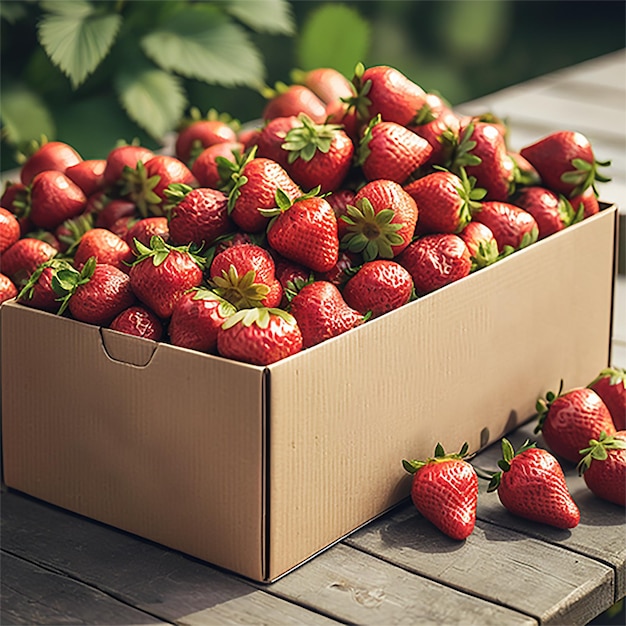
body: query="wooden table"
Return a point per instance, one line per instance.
(60, 568)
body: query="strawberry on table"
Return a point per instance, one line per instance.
(610, 385)
(138, 321)
(568, 420)
(531, 484)
(603, 466)
(259, 336)
(445, 491)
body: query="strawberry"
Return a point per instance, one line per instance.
(196, 319)
(161, 274)
(70, 232)
(106, 247)
(7, 289)
(445, 201)
(587, 201)
(327, 83)
(9, 229)
(610, 385)
(196, 215)
(525, 174)
(386, 91)
(259, 336)
(551, 211)
(196, 134)
(381, 223)
(340, 199)
(481, 243)
(52, 155)
(88, 175)
(339, 274)
(45, 286)
(252, 186)
(388, 150)
(146, 184)
(435, 261)
(20, 260)
(322, 313)
(119, 159)
(304, 231)
(603, 467)
(532, 485)
(568, 420)
(272, 137)
(379, 287)
(244, 275)
(144, 229)
(444, 490)
(205, 168)
(108, 211)
(513, 227)
(138, 321)
(96, 294)
(293, 100)
(565, 162)
(292, 277)
(318, 154)
(15, 200)
(54, 198)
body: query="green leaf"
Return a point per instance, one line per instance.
(336, 36)
(77, 41)
(24, 115)
(154, 99)
(202, 43)
(269, 16)
(12, 11)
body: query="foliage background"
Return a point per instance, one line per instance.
(460, 48)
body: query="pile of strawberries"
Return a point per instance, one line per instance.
(351, 199)
(585, 426)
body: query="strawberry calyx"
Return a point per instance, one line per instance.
(284, 202)
(439, 456)
(159, 250)
(293, 287)
(360, 102)
(67, 279)
(425, 115)
(225, 308)
(584, 175)
(231, 174)
(212, 115)
(76, 227)
(139, 187)
(462, 153)
(303, 142)
(616, 375)
(369, 233)
(258, 315)
(527, 239)
(486, 254)
(508, 454)
(57, 264)
(542, 406)
(598, 450)
(363, 151)
(567, 213)
(175, 194)
(241, 291)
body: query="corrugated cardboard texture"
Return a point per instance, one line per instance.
(466, 363)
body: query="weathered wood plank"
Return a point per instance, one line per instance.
(355, 587)
(162, 582)
(33, 595)
(601, 534)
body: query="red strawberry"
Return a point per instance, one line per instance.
(46, 287)
(525, 174)
(551, 211)
(378, 287)
(144, 229)
(163, 273)
(445, 201)
(196, 134)
(88, 175)
(318, 154)
(340, 199)
(109, 211)
(340, 273)
(205, 168)
(138, 321)
(445, 491)
(304, 231)
(146, 184)
(436, 260)
(119, 159)
(7, 289)
(569, 420)
(272, 137)
(20, 260)
(603, 467)
(610, 385)
(532, 485)
(197, 215)
(53, 155)
(565, 162)
(328, 84)
(481, 243)
(9, 229)
(54, 198)
(244, 275)
(252, 187)
(386, 91)
(388, 150)
(259, 336)
(513, 227)
(293, 100)
(588, 201)
(196, 320)
(382, 221)
(292, 277)
(322, 313)
(106, 247)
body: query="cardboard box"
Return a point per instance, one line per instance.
(256, 469)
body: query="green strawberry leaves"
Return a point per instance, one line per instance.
(585, 175)
(303, 142)
(508, 454)
(260, 316)
(598, 450)
(241, 291)
(439, 455)
(542, 406)
(158, 251)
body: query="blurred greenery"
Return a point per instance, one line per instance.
(461, 49)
